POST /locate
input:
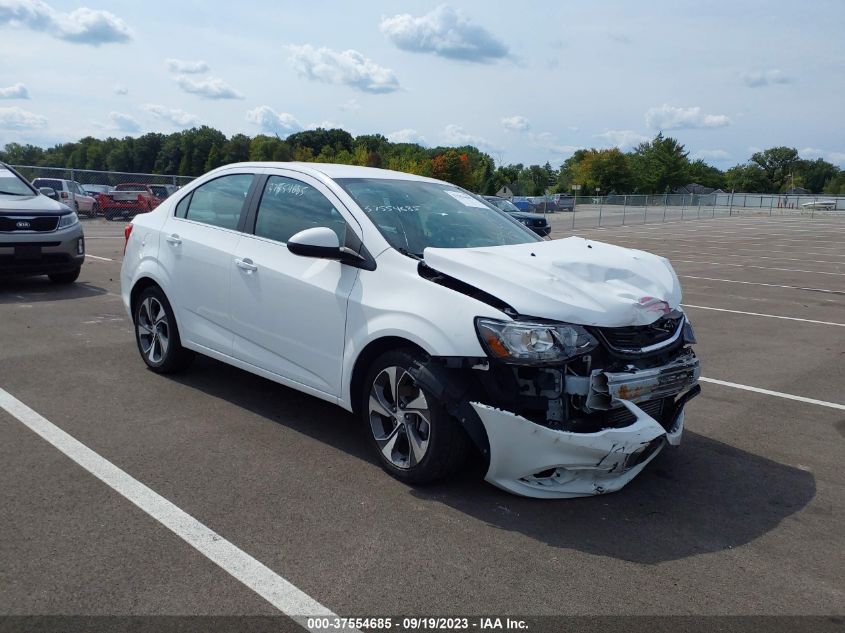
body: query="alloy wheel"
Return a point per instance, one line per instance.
(153, 330)
(399, 417)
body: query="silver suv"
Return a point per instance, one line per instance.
(38, 235)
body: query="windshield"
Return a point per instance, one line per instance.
(413, 215)
(131, 186)
(11, 185)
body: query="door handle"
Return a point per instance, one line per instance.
(174, 239)
(246, 264)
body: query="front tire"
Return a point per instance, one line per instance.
(414, 437)
(157, 335)
(66, 277)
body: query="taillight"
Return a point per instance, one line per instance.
(126, 233)
(64, 195)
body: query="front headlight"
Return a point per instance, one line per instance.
(523, 342)
(68, 220)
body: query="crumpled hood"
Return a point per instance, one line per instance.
(573, 280)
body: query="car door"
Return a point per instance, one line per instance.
(196, 248)
(288, 311)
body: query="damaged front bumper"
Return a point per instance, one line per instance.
(535, 461)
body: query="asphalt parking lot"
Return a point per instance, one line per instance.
(745, 518)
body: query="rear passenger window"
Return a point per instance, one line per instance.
(182, 207)
(289, 206)
(218, 202)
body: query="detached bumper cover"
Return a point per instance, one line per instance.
(535, 461)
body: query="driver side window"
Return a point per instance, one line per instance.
(289, 206)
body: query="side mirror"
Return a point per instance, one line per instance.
(49, 192)
(320, 242)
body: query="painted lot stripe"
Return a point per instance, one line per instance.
(785, 259)
(105, 259)
(759, 283)
(261, 579)
(758, 314)
(767, 240)
(777, 394)
(789, 270)
(734, 249)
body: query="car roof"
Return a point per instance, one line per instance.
(332, 170)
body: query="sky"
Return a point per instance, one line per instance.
(526, 82)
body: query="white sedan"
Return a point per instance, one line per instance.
(443, 323)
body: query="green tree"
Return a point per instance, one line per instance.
(779, 164)
(749, 177)
(707, 175)
(660, 165)
(607, 170)
(815, 173)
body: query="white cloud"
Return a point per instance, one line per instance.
(547, 142)
(272, 122)
(758, 78)
(454, 134)
(124, 122)
(208, 88)
(623, 139)
(837, 158)
(668, 117)
(16, 118)
(17, 91)
(516, 123)
(350, 106)
(185, 67)
(81, 26)
(406, 135)
(712, 154)
(120, 89)
(175, 116)
(342, 67)
(445, 32)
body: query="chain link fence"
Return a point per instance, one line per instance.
(619, 210)
(92, 193)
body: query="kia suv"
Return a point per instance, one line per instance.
(38, 235)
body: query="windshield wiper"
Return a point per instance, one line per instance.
(405, 252)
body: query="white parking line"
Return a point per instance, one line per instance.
(759, 283)
(105, 259)
(785, 259)
(789, 270)
(777, 394)
(768, 316)
(279, 592)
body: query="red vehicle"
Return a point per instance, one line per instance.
(127, 200)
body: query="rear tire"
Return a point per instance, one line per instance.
(414, 438)
(66, 277)
(157, 334)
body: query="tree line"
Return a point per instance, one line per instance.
(656, 166)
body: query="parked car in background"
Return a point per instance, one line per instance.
(439, 321)
(86, 204)
(564, 202)
(162, 192)
(524, 204)
(127, 200)
(534, 221)
(94, 190)
(38, 235)
(71, 193)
